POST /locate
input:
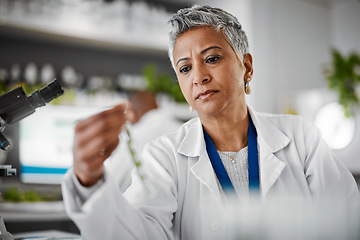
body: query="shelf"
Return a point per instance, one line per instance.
(95, 38)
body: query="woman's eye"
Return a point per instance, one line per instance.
(212, 59)
(184, 69)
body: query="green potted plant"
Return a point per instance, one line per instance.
(343, 77)
(162, 83)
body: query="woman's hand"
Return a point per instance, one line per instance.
(95, 139)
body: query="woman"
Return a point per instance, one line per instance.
(273, 155)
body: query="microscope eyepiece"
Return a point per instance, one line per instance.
(51, 91)
(40, 97)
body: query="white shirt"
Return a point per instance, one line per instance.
(236, 166)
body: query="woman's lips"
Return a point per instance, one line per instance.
(206, 94)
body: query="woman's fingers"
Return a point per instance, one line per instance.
(95, 139)
(89, 168)
(109, 120)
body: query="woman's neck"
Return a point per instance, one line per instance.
(228, 133)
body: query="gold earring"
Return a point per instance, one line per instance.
(247, 86)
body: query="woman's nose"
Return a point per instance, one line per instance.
(201, 77)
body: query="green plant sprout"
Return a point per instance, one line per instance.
(135, 158)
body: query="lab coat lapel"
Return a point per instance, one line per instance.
(203, 170)
(270, 168)
(270, 140)
(193, 146)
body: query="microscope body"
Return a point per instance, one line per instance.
(15, 105)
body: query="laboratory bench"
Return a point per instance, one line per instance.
(36, 216)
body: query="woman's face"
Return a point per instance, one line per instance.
(209, 72)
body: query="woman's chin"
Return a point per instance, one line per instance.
(209, 110)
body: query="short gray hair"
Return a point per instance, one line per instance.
(199, 16)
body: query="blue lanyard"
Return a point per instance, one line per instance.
(253, 162)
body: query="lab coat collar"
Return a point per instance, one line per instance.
(268, 134)
(193, 143)
(270, 140)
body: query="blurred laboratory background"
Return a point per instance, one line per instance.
(306, 57)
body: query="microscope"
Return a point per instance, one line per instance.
(14, 106)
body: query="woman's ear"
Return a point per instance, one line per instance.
(248, 63)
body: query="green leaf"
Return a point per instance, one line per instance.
(343, 78)
(162, 83)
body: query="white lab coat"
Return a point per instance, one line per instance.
(294, 161)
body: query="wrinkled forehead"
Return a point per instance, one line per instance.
(198, 39)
